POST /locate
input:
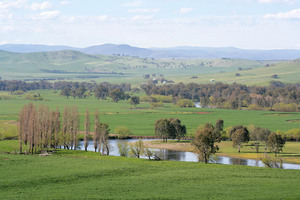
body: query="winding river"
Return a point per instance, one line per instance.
(166, 154)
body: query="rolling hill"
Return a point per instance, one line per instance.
(176, 52)
(75, 65)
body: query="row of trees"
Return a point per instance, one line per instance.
(41, 129)
(206, 137)
(76, 88)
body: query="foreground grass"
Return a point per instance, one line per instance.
(290, 154)
(86, 175)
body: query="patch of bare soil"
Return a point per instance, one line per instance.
(170, 146)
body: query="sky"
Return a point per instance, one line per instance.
(247, 24)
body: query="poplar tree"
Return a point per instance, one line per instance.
(86, 129)
(97, 131)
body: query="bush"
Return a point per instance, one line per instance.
(254, 107)
(292, 107)
(185, 103)
(156, 104)
(162, 98)
(34, 97)
(292, 134)
(145, 98)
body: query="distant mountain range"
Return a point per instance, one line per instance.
(175, 52)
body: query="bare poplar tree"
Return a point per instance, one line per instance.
(75, 124)
(96, 131)
(86, 129)
(56, 128)
(104, 131)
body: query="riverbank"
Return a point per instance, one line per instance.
(290, 154)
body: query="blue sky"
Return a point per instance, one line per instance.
(248, 24)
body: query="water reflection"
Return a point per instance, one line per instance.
(189, 156)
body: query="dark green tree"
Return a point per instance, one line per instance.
(66, 92)
(134, 100)
(204, 142)
(239, 136)
(275, 143)
(117, 95)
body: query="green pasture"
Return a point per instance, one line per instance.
(140, 120)
(87, 175)
(288, 72)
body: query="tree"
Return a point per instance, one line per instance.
(180, 130)
(101, 91)
(66, 92)
(204, 142)
(148, 152)
(163, 129)
(219, 127)
(239, 136)
(123, 147)
(260, 135)
(275, 143)
(86, 129)
(117, 95)
(96, 131)
(137, 149)
(122, 131)
(134, 100)
(104, 129)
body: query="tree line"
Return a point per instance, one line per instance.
(42, 129)
(277, 96)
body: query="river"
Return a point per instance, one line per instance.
(166, 154)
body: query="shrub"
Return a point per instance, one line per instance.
(162, 98)
(292, 107)
(145, 98)
(185, 103)
(156, 104)
(34, 97)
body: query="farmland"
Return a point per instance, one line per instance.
(140, 120)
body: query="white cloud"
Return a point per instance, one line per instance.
(12, 4)
(142, 17)
(293, 14)
(136, 3)
(276, 1)
(102, 18)
(185, 10)
(47, 15)
(64, 3)
(144, 10)
(41, 6)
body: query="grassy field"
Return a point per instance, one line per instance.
(286, 71)
(141, 120)
(86, 175)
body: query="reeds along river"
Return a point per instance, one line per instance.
(166, 154)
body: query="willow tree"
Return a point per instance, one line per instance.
(86, 129)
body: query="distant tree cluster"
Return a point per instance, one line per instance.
(277, 96)
(73, 89)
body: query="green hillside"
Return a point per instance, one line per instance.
(68, 64)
